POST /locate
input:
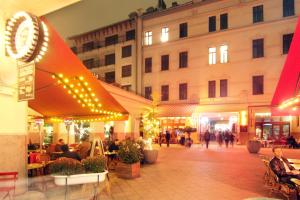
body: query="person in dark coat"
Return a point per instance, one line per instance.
(220, 139)
(168, 137)
(283, 169)
(227, 138)
(160, 138)
(207, 138)
(231, 139)
(68, 154)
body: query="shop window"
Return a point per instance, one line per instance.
(110, 59)
(224, 21)
(183, 59)
(130, 35)
(165, 93)
(111, 40)
(126, 51)
(212, 24)
(211, 89)
(286, 42)
(258, 48)
(148, 38)
(148, 65)
(257, 85)
(288, 8)
(183, 87)
(183, 30)
(148, 92)
(164, 62)
(223, 88)
(258, 13)
(126, 71)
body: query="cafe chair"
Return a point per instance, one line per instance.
(8, 184)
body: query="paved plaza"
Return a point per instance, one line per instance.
(183, 173)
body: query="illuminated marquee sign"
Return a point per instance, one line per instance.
(26, 37)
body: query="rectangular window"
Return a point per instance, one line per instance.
(88, 46)
(224, 21)
(126, 87)
(110, 59)
(74, 50)
(212, 55)
(110, 77)
(165, 93)
(212, 24)
(223, 54)
(164, 34)
(111, 40)
(223, 88)
(183, 59)
(130, 35)
(258, 13)
(126, 51)
(183, 91)
(258, 85)
(288, 8)
(183, 30)
(148, 65)
(258, 48)
(286, 42)
(211, 89)
(126, 71)
(148, 92)
(89, 63)
(148, 38)
(164, 62)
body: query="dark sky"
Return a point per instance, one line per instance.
(91, 14)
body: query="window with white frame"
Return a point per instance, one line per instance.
(224, 53)
(148, 38)
(164, 34)
(212, 55)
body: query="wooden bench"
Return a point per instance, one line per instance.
(272, 182)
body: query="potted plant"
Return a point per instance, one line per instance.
(253, 145)
(130, 156)
(67, 171)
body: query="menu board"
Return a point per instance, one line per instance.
(26, 79)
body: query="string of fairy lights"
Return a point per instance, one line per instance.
(80, 90)
(290, 103)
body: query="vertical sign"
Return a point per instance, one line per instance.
(26, 80)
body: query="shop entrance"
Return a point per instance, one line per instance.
(272, 130)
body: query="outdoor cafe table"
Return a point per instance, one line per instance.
(37, 167)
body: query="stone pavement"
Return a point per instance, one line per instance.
(187, 174)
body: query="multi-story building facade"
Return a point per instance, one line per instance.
(109, 53)
(219, 62)
(214, 64)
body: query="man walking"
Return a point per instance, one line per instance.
(168, 137)
(207, 138)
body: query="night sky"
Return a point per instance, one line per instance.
(91, 14)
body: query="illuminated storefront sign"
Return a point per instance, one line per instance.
(26, 82)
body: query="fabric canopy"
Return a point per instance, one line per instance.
(287, 85)
(51, 99)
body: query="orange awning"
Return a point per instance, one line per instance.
(51, 99)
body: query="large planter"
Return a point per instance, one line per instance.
(253, 146)
(128, 171)
(79, 178)
(150, 155)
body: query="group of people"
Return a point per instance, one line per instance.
(221, 136)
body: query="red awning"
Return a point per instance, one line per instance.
(51, 99)
(287, 85)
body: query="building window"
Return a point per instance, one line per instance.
(164, 62)
(288, 8)
(223, 88)
(148, 65)
(164, 34)
(126, 71)
(183, 30)
(212, 55)
(212, 24)
(165, 92)
(110, 59)
(111, 40)
(183, 91)
(88, 46)
(126, 87)
(148, 38)
(183, 59)
(110, 77)
(211, 89)
(74, 50)
(258, 85)
(224, 54)
(258, 14)
(89, 63)
(126, 51)
(130, 35)
(258, 48)
(286, 42)
(148, 92)
(224, 21)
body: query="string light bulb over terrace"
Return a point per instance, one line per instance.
(290, 103)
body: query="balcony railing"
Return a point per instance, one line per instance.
(98, 45)
(97, 63)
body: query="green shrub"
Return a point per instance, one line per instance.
(94, 164)
(130, 152)
(66, 166)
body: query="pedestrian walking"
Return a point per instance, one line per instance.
(160, 138)
(168, 137)
(226, 138)
(231, 138)
(207, 138)
(220, 139)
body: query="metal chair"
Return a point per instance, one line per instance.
(8, 184)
